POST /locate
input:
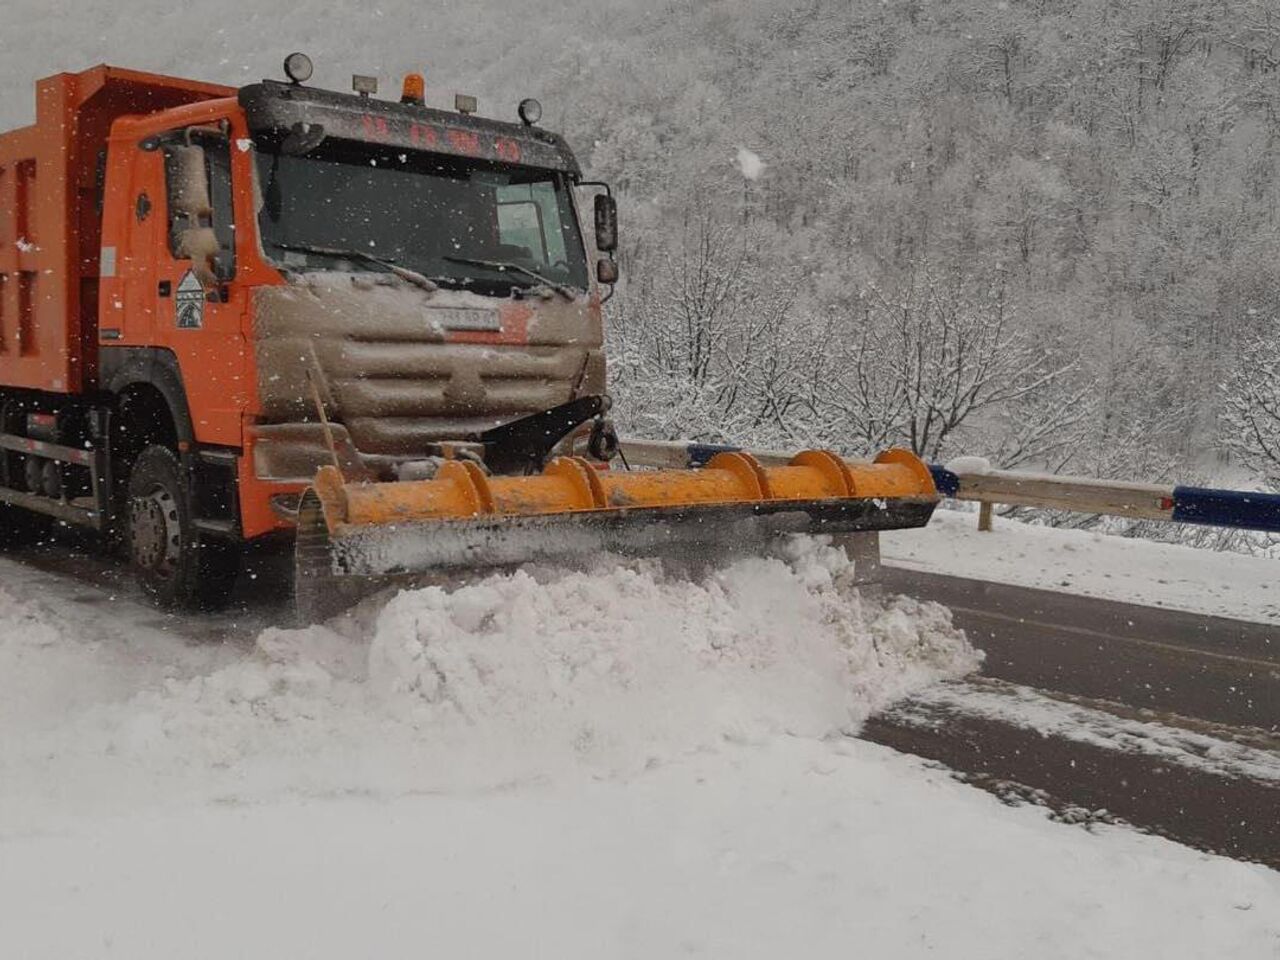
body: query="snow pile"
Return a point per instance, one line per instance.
(516, 676)
(970, 465)
(626, 662)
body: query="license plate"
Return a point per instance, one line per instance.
(465, 318)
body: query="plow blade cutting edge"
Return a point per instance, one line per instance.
(355, 536)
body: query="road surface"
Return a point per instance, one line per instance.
(1167, 720)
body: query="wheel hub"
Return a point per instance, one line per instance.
(155, 532)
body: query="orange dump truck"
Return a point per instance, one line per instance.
(229, 314)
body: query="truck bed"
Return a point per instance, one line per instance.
(50, 223)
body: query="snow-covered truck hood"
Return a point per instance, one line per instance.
(400, 367)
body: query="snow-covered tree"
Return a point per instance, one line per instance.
(932, 357)
(1251, 405)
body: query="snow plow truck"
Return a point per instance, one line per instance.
(368, 325)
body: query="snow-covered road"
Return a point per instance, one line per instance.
(789, 847)
(554, 763)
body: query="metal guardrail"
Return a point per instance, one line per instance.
(1137, 500)
(1239, 509)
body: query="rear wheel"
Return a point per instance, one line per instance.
(174, 564)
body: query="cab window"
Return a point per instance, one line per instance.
(529, 218)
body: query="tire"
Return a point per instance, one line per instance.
(177, 567)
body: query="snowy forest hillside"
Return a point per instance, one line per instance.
(1037, 231)
(1040, 230)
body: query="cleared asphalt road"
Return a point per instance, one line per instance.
(1211, 668)
(1174, 717)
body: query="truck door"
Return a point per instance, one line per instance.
(200, 306)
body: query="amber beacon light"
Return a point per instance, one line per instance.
(414, 89)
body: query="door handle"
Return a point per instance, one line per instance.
(165, 288)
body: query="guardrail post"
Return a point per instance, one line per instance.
(984, 516)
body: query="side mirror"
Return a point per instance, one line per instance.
(200, 245)
(188, 182)
(606, 223)
(607, 271)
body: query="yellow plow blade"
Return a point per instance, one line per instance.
(465, 519)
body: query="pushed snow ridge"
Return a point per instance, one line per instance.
(514, 676)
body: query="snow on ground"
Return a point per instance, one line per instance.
(792, 848)
(513, 677)
(1091, 564)
(550, 763)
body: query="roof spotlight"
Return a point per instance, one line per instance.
(530, 111)
(298, 68)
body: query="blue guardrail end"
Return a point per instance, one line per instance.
(948, 483)
(1243, 509)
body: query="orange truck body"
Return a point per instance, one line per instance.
(86, 241)
(216, 301)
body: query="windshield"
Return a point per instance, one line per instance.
(461, 223)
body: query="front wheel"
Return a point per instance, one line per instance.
(174, 565)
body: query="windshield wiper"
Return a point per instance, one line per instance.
(410, 276)
(508, 265)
